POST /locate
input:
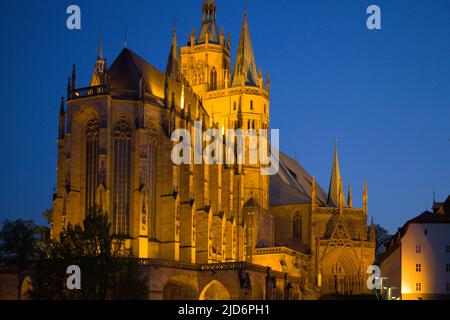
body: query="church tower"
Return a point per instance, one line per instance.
(205, 60)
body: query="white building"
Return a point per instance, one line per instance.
(416, 265)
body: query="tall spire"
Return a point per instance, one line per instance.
(336, 180)
(245, 66)
(209, 27)
(100, 47)
(173, 67)
(98, 77)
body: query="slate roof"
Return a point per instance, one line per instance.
(293, 184)
(127, 69)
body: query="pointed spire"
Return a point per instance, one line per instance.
(98, 77)
(336, 180)
(372, 236)
(172, 70)
(350, 197)
(74, 78)
(245, 66)
(62, 120)
(100, 47)
(69, 89)
(313, 194)
(365, 196)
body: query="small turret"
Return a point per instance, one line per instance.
(74, 78)
(62, 121)
(372, 232)
(313, 194)
(365, 197)
(350, 197)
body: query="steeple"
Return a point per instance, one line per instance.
(173, 62)
(98, 77)
(245, 66)
(209, 27)
(100, 47)
(335, 182)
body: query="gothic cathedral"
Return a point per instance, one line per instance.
(114, 152)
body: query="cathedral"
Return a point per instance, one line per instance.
(203, 231)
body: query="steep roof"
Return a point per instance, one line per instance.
(128, 68)
(293, 184)
(245, 66)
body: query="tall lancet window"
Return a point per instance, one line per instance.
(297, 227)
(122, 178)
(92, 134)
(213, 79)
(153, 140)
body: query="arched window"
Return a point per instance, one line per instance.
(92, 133)
(297, 227)
(122, 177)
(213, 79)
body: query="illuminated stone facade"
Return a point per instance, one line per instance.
(114, 151)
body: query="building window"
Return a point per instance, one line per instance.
(92, 134)
(234, 106)
(448, 287)
(418, 249)
(297, 232)
(213, 79)
(122, 177)
(418, 287)
(418, 267)
(447, 249)
(251, 104)
(447, 267)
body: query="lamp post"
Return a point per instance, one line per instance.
(381, 284)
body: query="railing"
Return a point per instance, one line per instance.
(104, 90)
(89, 92)
(214, 267)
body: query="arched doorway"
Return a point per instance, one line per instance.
(340, 273)
(180, 288)
(215, 291)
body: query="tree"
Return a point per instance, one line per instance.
(381, 236)
(107, 270)
(19, 243)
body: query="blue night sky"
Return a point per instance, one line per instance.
(385, 94)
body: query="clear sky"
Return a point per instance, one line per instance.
(384, 94)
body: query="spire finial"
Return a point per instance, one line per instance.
(100, 46)
(350, 197)
(336, 180)
(365, 196)
(126, 37)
